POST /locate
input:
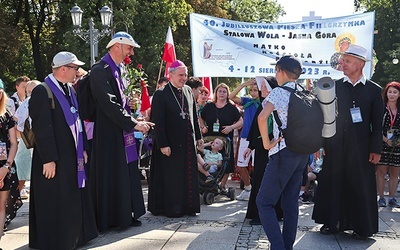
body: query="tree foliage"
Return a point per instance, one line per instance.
(38, 29)
(255, 10)
(387, 39)
(14, 46)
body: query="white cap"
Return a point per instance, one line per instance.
(123, 37)
(357, 51)
(63, 58)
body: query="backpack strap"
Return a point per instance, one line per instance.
(49, 94)
(276, 117)
(290, 89)
(277, 120)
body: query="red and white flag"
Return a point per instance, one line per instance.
(169, 55)
(207, 82)
(145, 98)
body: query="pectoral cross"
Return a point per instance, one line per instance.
(182, 114)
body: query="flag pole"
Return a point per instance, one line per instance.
(159, 72)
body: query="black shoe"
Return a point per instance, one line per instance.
(358, 236)
(255, 222)
(136, 223)
(325, 230)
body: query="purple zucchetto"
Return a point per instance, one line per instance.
(177, 64)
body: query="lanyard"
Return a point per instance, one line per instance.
(217, 113)
(392, 116)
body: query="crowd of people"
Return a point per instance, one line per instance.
(71, 201)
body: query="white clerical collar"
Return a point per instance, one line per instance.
(362, 80)
(52, 78)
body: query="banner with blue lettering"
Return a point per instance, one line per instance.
(226, 48)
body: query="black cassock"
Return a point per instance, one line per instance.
(346, 196)
(60, 214)
(173, 188)
(115, 184)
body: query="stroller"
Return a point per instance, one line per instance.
(209, 190)
(145, 147)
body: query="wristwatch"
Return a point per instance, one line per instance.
(11, 170)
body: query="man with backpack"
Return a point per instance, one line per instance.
(114, 175)
(284, 170)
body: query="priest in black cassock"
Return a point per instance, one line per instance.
(174, 188)
(60, 210)
(114, 175)
(346, 197)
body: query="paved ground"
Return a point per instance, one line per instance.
(219, 226)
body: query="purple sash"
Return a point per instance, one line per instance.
(72, 118)
(129, 138)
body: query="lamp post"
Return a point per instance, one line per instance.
(92, 35)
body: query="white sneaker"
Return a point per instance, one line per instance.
(243, 196)
(24, 194)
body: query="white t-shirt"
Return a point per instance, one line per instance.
(10, 105)
(279, 97)
(22, 113)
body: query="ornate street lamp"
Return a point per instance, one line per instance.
(92, 35)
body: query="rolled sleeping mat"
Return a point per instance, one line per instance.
(326, 95)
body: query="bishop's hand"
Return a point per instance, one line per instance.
(143, 126)
(166, 151)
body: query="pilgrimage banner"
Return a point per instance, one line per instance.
(226, 48)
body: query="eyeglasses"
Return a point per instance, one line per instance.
(76, 68)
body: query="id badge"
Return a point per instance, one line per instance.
(356, 115)
(216, 127)
(3, 151)
(390, 134)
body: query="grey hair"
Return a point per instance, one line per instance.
(172, 70)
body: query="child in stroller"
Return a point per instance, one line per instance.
(212, 160)
(211, 188)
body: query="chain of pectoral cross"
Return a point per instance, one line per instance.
(182, 113)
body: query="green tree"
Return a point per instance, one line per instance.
(123, 11)
(11, 41)
(387, 39)
(256, 10)
(38, 29)
(150, 29)
(35, 19)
